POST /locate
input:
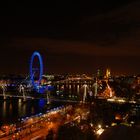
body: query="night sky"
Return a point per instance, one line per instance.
(75, 38)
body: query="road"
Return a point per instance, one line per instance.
(40, 126)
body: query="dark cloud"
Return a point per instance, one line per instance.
(126, 47)
(100, 36)
(61, 56)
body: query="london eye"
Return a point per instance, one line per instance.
(36, 69)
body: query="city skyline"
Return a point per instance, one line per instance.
(99, 37)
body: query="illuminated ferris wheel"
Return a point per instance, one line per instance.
(36, 69)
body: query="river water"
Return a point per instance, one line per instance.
(13, 109)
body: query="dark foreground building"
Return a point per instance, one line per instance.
(121, 132)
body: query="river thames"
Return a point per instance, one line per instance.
(14, 109)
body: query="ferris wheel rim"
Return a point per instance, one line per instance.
(39, 58)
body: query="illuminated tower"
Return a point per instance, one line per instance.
(108, 73)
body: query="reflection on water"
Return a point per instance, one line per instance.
(13, 109)
(77, 88)
(42, 103)
(32, 110)
(4, 108)
(20, 106)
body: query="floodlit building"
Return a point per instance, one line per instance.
(108, 73)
